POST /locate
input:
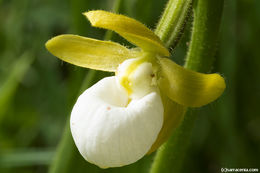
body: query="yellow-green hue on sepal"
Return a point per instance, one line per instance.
(173, 115)
(89, 53)
(188, 87)
(132, 30)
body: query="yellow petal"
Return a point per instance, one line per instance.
(132, 30)
(188, 87)
(89, 53)
(173, 115)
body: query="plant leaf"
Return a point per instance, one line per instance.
(12, 81)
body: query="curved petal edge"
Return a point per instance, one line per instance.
(189, 88)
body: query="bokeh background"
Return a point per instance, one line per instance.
(37, 90)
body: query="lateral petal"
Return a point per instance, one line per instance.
(89, 53)
(108, 131)
(132, 30)
(188, 87)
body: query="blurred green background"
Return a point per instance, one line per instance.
(37, 90)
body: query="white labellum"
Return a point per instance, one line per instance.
(108, 131)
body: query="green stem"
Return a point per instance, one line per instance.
(171, 24)
(207, 17)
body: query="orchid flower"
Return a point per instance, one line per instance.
(124, 117)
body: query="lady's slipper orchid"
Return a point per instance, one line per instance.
(121, 118)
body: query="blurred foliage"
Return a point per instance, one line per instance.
(37, 91)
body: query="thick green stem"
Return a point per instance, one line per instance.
(171, 24)
(207, 17)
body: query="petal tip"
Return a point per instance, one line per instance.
(49, 44)
(217, 89)
(219, 82)
(222, 82)
(93, 16)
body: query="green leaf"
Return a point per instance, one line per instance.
(26, 158)
(13, 79)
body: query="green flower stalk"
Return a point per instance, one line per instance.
(202, 49)
(124, 117)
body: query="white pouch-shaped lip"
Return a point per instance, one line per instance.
(108, 131)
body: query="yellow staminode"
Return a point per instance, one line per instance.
(126, 80)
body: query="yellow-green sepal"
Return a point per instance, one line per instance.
(132, 30)
(173, 116)
(188, 87)
(89, 53)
